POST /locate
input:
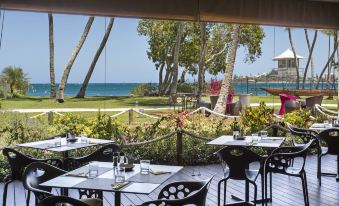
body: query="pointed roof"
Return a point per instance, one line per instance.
(288, 54)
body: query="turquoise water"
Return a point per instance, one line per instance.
(124, 89)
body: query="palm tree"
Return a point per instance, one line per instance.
(51, 55)
(176, 58)
(82, 90)
(16, 79)
(310, 58)
(226, 83)
(74, 55)
(295, 55)
(201, 71)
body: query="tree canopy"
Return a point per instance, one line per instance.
(161, 36)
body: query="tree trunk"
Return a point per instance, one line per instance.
(51, 56)
(295, 55)
(166, 79)
(82, 90)
(201, 72)
(74, 55)
(176, 58)
(161, 71)
(327, 63)
(227, 81)
(310, 58)
(183, 76)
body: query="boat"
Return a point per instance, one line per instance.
(300, 92)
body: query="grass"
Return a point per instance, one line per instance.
(88, 102)
(112, 102)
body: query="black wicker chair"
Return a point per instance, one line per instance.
(64, 200)
(18, 162)
(103, 154)
(331, 139)
(280, 162)
(305, 135)
(37, 173)
(182, 193)
(238, 160)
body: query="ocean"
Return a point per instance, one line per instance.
(124, 89)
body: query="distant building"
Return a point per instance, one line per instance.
(287, 66)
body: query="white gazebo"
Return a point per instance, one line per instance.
(286, 64)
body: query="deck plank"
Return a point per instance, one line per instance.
(287, 191)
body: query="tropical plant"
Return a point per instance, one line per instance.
(299, 118)
(16, 79)
(82, 90)
(71, 60)
(257, 118)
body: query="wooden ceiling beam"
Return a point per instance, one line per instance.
(289, 13)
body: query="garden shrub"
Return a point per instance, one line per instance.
(256, 118)
(186, 87)
(299, 118)
(144, 90)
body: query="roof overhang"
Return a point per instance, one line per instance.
(289, 13)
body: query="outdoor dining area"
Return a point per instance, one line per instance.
(253, 170)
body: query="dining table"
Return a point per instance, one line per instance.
(65, 146)
(135, 182)
(266, 142)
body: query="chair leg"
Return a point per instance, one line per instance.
(225, 185)
(304, 185)
(263, 189)
(319, 169)
(4, 199)
(266, 188)
(307, 198)
(28, 198)
(271, 188)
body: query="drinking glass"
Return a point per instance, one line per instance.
(249, 140)
(263, 134)
(327, 124)
(119, 174)
(255, 138)
(93, 170)
(57, 141)
(236, 134)
(83, 139)
(144, 167)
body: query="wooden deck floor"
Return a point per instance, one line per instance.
(286, 190)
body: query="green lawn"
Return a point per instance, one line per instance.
(110, 102)
(88, 102)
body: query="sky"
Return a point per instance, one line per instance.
(25, 44)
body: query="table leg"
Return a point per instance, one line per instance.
(64, 191)
(117, 198)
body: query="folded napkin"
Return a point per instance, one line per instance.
(118, 186)
(159, 172)
(80, 174)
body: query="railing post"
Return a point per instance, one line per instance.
(50, 117)
(179, 148)
(203, 111)
(130, 116)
